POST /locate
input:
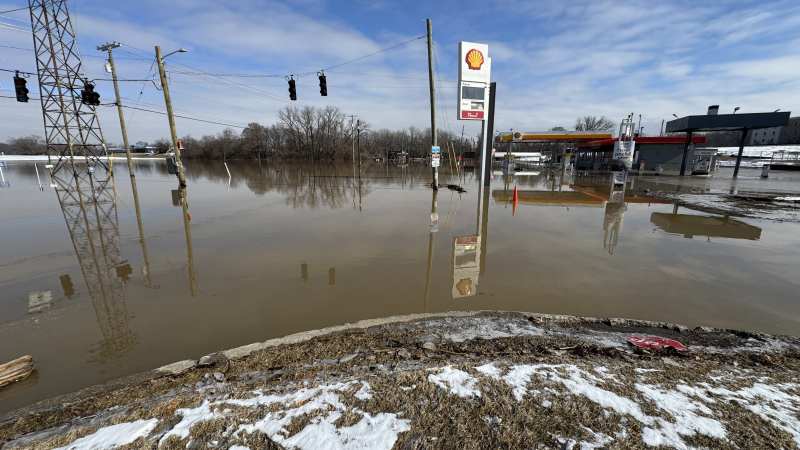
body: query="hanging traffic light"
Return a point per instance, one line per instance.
(323, 84)
(88, 95)
(20, 86)
(292, 89)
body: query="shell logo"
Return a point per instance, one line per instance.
(474, 59)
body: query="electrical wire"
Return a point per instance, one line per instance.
(299, 74)
(13, 10)
(181, 116)
(14, 96)
(19, 71)
(13, 27)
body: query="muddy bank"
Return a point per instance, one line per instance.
(462, 380)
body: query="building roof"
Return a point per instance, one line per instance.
(728, 122)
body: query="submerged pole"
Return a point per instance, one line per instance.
(686, 152)
(741, 151)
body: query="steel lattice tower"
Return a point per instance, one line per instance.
(85, 187)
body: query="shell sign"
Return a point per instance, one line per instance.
(474, 62)
(474, 59)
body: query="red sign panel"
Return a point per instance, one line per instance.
(472, 115)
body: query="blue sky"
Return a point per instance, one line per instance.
(553, 60)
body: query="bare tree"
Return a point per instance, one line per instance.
(593, 123)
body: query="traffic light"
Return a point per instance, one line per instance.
(323, 84)
(292, 89)
(20, 86)
(88, 95)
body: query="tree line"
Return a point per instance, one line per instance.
(310, 133)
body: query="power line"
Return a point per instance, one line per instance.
(17, 71)
(182, 116)
(13, 10)
(296, 74)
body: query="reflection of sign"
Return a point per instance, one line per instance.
(474, 59)
(38, 301)
(436, 153)
(623, 151)
(466, 265)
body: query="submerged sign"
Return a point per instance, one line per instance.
(474, 75)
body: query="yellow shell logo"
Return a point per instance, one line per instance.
(474, 59)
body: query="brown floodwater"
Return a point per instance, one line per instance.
(281, 248)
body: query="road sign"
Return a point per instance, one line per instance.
(436, 153)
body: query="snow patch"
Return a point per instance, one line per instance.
(685, 412)
(324, 405)
(488, 328)
(113, 436)
(190, 417)
(456, 381)
(773, 403)
(490, 370)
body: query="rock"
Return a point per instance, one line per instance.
(348, 358)
(219, 376)
(429, 346)
(208, 360)
(403, 353)
(178, 368)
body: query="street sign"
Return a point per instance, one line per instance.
(474, 76)
(436, 153)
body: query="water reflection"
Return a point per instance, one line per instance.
(689, 226)
(87, 197)
(250, 262)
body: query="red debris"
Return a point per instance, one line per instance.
(656, 343)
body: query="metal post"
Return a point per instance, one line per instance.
(487, 158)
(686, 152)
(435, 170)
(170, 117)
(741, 151)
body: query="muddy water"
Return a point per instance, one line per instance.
(278, 249)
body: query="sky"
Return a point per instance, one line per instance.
(553, 61)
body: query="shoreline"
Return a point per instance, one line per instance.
(446, 355)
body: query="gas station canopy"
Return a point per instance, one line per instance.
(728, 122)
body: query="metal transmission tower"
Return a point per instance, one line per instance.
(71, 127)
(85, 187)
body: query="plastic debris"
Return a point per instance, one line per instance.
(656, 343)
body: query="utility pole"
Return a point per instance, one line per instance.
(435, 170)
(109, 47)
(171, 117)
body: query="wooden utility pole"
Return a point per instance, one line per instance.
(171, 117)
(109, 47)
(435, 183)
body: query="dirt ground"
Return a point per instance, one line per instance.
(484, 380)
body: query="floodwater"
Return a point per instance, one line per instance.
(278, 249)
